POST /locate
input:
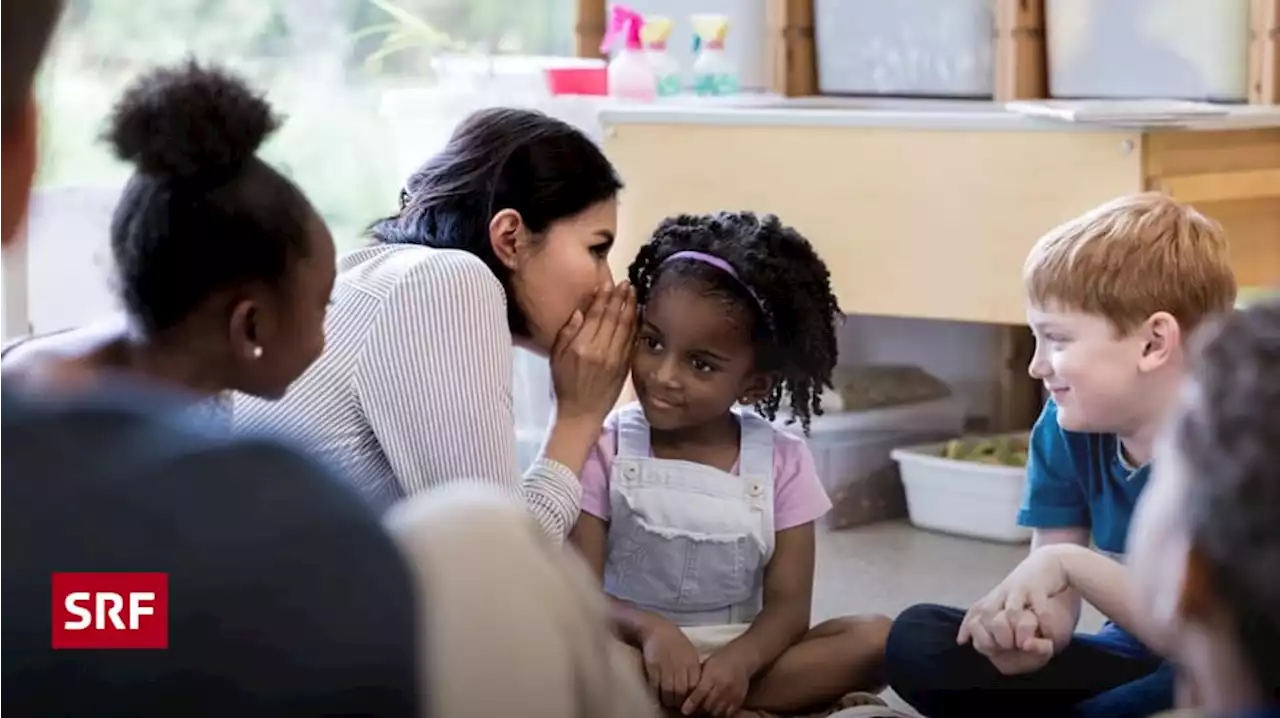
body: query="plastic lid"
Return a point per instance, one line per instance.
(944, 414)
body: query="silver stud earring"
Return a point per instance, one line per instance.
(257, 352)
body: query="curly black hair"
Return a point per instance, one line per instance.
(793, 309)
(201, 212)
(1228, 434)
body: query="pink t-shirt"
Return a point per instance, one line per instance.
(798, 496)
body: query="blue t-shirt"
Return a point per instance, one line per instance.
(1079, 480)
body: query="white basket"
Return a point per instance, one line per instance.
(965, 498)
(848, 446)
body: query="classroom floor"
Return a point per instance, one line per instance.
(883, 568)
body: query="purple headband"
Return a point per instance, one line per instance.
(723, 266)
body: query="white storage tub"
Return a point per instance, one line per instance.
(965, 498)
(933, 48)
(851, 452)
(1133, 49)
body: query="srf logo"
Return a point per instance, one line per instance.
(110, 610)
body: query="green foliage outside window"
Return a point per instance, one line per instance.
(324, 63)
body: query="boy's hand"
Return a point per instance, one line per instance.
(1037, 579)
(721, 689)
(1016, 625)
(670, 662)
(1013, 643)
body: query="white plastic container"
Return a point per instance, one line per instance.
(965, 498)
(714, 72)
(667, 76)
(850, 446)
(1129, 49)
(931, 48)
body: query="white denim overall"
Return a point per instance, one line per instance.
(689, 541)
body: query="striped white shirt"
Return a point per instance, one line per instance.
(414, 389)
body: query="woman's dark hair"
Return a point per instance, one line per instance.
(1228, 435)
(201, 212)
(793, 310)
(499, 159)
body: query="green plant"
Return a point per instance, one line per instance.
(403, 32)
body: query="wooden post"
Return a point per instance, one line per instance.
(793, 70)
(1020, 51)
(1021, 74)
(1018, 396)
(1264, 52)
(589, 30)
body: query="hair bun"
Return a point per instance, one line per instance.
(189, 122)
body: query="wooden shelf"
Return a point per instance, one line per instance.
(1020, 59)
(937, 223)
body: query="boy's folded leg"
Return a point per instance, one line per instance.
(939, 678)
(1147, 696)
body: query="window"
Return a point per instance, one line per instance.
(334, 67)
(368, 88)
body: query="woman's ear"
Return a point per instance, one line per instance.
(505, 230)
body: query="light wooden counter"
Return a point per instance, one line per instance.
(928, 208)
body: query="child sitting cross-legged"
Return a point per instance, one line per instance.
(697, 513)
(1204, 547)
(1112, 295)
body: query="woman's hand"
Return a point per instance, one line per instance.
(592, 355)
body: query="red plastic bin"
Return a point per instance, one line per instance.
(578, 80)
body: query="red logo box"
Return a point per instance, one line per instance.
(110, 610)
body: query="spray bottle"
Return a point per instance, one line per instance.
(630, 75)
(666, 71)
(713, 72)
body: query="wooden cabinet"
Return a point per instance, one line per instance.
(934, 219)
